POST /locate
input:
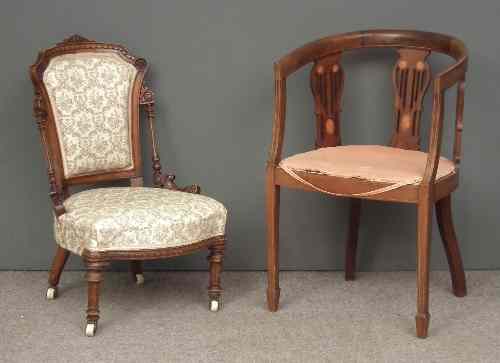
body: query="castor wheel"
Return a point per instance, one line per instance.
(51, 293)
(215, 305)
(90, 328)
(139, 279)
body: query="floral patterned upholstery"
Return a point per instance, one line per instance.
(90, 99)
(137, 218)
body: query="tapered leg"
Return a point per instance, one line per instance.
(273, 205)
(215, 267)
(352, 239)
(55, 271)
(450, 243)
(136, 272)
(423, 253)
(95, 272)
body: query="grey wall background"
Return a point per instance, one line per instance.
(211, 68)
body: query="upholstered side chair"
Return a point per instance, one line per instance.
(87, 104)
(399, 172)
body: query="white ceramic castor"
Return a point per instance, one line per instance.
(214, 305)
(139, 279)
(90, 329)
(51, 293)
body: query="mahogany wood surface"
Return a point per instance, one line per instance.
(352, 239)
(215, 262)
(57, 266)
(450, 243)
(411, 79)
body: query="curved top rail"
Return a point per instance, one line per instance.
(377, 38)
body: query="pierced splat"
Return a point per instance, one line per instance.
(327, 83)
(411, 77)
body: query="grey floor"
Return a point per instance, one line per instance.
(322, 319)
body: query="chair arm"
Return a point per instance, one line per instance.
(445, 80)
(279, 117)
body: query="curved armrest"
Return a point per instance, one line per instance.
(279, 117)
(453, 75)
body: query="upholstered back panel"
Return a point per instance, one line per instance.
(90, 97)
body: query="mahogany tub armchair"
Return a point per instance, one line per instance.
(87, 104)
(399, 172)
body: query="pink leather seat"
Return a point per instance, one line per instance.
(369, 162)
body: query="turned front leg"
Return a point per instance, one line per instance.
(215, 266)
(95, 275)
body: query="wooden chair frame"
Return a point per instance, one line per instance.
(142, 96)
(413, 48)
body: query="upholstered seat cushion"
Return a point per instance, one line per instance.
(368, 162)
(131, 218)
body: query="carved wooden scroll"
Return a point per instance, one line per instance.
(147, 99)
(327, 83)
(411, 77)
(75, 38)
(56, 195)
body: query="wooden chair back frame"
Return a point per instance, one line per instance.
(411, 78)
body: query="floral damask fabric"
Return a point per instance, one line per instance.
(90, 98)
(133, 218)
